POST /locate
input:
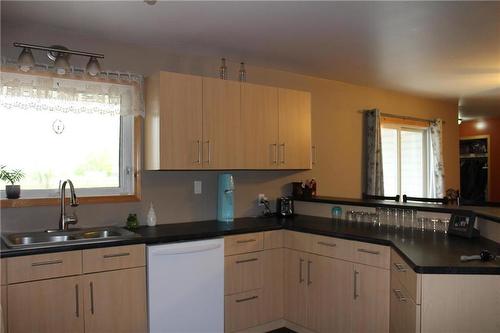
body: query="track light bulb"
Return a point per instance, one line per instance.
(93, 67)
(26, 61)
(61, 64)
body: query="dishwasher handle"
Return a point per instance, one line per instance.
(173, 250)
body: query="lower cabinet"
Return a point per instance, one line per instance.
(115, 301)
(47, 306)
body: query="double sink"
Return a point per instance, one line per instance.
(69, 237)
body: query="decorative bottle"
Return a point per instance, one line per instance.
(151, 216)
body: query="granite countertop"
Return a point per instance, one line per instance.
(426, 252)
(491, 213)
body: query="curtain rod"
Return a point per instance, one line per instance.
(402, 117)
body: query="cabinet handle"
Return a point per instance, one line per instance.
(327, 244)
(314, 154)
(91, 297)
(369, 251)
(198, 153)
(246, 299)
(245, 241)
(309, 282)
(399, 295)
(283, 158)
(124, 254)
(301, 279)
(275, 153)
(77, 302)
(209, 157)
(356, 273)
(44, 263)
(246, 260)
(399, 267)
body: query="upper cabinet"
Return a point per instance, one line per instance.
(205, 123)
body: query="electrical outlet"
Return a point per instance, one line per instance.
(260, 199)
(197, 187)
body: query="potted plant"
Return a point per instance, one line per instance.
(12, 176)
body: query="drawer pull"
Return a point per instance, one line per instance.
(327, 244)
(124, 254)
(246, 260)
(246, 299)
(44, 263)
(399, 295)
(399, 267)
(369, 251)
(242, 241)
(356, 295)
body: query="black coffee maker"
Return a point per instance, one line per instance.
(284, 206)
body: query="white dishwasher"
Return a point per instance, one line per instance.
(186, 287)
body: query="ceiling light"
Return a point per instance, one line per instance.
(26, 61)
(93, 68)
(61, 64)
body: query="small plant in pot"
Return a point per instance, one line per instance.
(12, 176)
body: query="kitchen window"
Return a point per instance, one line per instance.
(405, 158)
(69, 129)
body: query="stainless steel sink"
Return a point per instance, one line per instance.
(69, 237)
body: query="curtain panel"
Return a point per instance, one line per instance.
(437, 165)
(77, 95)
(374, 177)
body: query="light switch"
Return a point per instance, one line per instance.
(197, 187)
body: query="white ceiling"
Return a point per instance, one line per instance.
(439, 49)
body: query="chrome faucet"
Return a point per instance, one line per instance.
(65, 221)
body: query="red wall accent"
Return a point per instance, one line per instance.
(491, 128)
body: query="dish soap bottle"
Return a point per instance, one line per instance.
(151, 216)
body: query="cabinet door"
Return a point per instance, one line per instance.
(330, 294)
(405, 314)
(221, 124)
(46, 306)
(371, 299)
(296, 287)
(3, 318)
(115, 301)
(259, 126)
(272, 291)
(294, 129)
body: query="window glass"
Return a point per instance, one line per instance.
(390, 160)
(412, 163)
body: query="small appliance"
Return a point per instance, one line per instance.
(225, 203)
(284, 206)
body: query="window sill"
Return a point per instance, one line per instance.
(31, 202)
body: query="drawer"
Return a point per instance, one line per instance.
(410, 280)
(242, 310)
(405, 314)
(44, 266)
(243, 243)
(243, 272)
(371, 254)
(273, 239)
(332, 247)
(3, 271)
(298, 241)
(111, 258)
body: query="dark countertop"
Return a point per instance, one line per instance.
(426, 252)
(491, 213)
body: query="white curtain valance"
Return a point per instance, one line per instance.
(36, 92)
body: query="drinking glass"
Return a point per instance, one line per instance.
(337, 213)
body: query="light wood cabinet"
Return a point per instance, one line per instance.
(173, 124)
(272, 290)
(259, 126)
(405, 314)
(296, 295)
(242, 272)
(50, 306)
(294, 109)
(242, 310)
(221, 124)
(115, 301)
(370, 310)
(3, 314)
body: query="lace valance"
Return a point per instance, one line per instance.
(37, 92)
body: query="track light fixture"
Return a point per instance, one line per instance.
(60, 55)
(26, 61)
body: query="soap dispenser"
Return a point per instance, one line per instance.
(151, 216)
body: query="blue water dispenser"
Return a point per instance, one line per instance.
(225, 203)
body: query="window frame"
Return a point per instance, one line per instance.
(412, 127)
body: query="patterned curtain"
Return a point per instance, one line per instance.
(374, 178)
(437, 169)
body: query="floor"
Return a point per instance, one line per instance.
(282, 330)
